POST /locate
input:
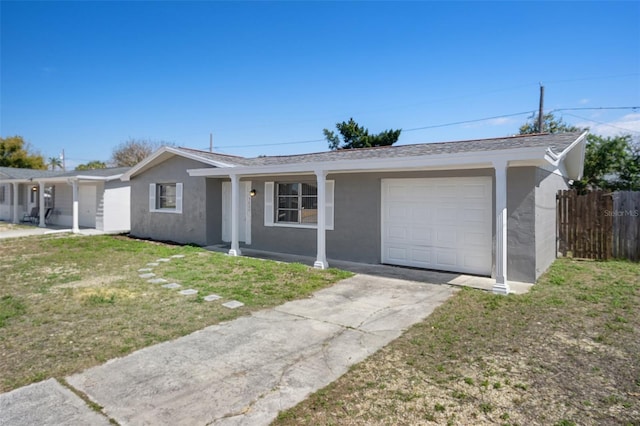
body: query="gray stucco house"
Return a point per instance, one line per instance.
(81, 198)
(485, 207)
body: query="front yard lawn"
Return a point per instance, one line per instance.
(567, 353)
(68, 303)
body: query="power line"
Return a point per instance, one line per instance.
(269, 144)
(467, 121)
(455, 123)
(603, 123)
(593, 108)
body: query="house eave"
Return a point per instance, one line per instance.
(164, 154)
(467, 160)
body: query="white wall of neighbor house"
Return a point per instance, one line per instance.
(5, 201)
(63, 205)
(114, 207)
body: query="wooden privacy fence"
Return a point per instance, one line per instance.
(599, 224)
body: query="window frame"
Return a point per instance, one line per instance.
(271, 206)
(155, 198)
(300, 198)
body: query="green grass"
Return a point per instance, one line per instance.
(488, 359)
(68, 303)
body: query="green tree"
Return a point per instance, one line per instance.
(356, 136)
(133, 151)
(92, 165)
(55, 162)
(610, 163)
(15, 152)
(550, 124)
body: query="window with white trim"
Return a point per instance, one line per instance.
(3, 194)
(295, 204)
(165, 197)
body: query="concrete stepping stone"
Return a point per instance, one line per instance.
(145, 270)
(153, 264)
(158, 281)
(212, 297)
(164, 259)
(188, 292)
(178, 256)
(171, 285)
(147, 275)
(233, 304)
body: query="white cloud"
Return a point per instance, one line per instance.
(584, 101)
(629, 123)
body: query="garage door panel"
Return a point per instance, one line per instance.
(421, 236)
(438, 223)
(474, 191)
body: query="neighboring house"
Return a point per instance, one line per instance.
(485, 207)
(89, 198)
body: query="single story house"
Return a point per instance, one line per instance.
(485, 207)
(82, 198)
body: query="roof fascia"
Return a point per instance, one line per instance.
(150, 161)
(450, 161)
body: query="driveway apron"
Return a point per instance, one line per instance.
(247, 370)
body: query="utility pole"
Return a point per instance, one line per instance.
(210, 142)
(541, 110)
(64, 166)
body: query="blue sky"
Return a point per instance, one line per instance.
(87, 76)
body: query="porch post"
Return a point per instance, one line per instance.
(321, 257)
(75, 228)
(42, 210)
(15, 186)
(235, 219)
(502, 285)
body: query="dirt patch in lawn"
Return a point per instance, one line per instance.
(567, 353)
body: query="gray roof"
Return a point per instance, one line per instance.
(17, 173)
(221, 158)
(110, 171)
(22, 174)
(557, 142)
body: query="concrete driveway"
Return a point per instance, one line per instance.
(241, 372)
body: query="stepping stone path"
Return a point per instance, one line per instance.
(232, 304)
(171, 286)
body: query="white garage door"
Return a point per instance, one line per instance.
(438, 223)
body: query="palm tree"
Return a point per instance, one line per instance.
(55, 162)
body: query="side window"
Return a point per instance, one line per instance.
(165, 197)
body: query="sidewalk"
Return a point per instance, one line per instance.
(241, 372)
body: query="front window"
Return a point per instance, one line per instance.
(2, 194)
(297, 203)
(166, 196)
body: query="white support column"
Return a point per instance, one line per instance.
(41, 204)
(15, 187)
(502, 285)
(75, 228)
(235, 216)
(321, 257)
